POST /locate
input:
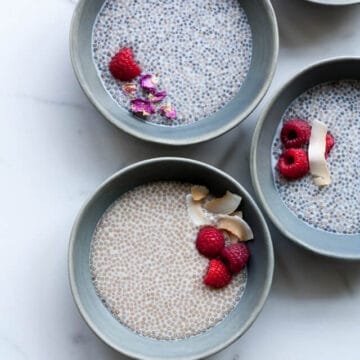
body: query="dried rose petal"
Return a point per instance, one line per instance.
(148, 82)
(157, 96)
(129, 89)
(168, 111)
(142, 107)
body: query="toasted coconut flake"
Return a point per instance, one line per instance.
(236, 226)
(199, 192)
(224, 205)
(196, 212)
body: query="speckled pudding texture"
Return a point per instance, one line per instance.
(146, 268)
(335, 208)
(201, 51)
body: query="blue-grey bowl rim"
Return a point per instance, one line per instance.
(253, 169)
(194, 140)
(338, 3)
(268, 242)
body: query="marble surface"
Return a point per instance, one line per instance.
(55, 149)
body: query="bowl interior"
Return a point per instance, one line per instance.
(326, 243)
(260, 267)
(265, 47)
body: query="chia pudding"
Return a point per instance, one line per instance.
(334, 208)
(200, 52)
(146, 269)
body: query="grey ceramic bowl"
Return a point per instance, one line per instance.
(265, 49)
(99, 319)
(335, 2)
(319, 241)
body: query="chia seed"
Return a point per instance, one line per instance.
(334, 208)
(201, 51)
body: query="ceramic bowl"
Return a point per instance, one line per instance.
(335, 2)
(316, 240)
(121, 338)
(265, 49)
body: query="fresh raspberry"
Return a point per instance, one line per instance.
(330, 142)
(235, 257)
(217, 275)
(210, 241)
(293, 163)
(123, 66)
(295, 133)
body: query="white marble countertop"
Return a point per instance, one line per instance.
(55, 149)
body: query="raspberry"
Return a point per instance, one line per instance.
(210, 241)
(295, 133)
(123, 66)
(235, 257)
(293, 163)
(330, 142)
(217, 275)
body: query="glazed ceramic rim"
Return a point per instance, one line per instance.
(267, 243)
(338, 3)
(222, 129)
(254, 171)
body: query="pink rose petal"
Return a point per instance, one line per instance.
(142, 107)
(168, 111)
(157, 96)
(148, 82)
(129, 89)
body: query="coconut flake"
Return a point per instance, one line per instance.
(195, 211)
(168, 111)
(142, 107)
(236, 226)
(199, 192)
(317, 149)
(237, 213)
(148, 82)
(224, 205)
(129, 89)
(157, 96)
(230, 238)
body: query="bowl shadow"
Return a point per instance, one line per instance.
(306, 276)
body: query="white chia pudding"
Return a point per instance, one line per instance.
(146, 268)
(334, 208)
(201, 51)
